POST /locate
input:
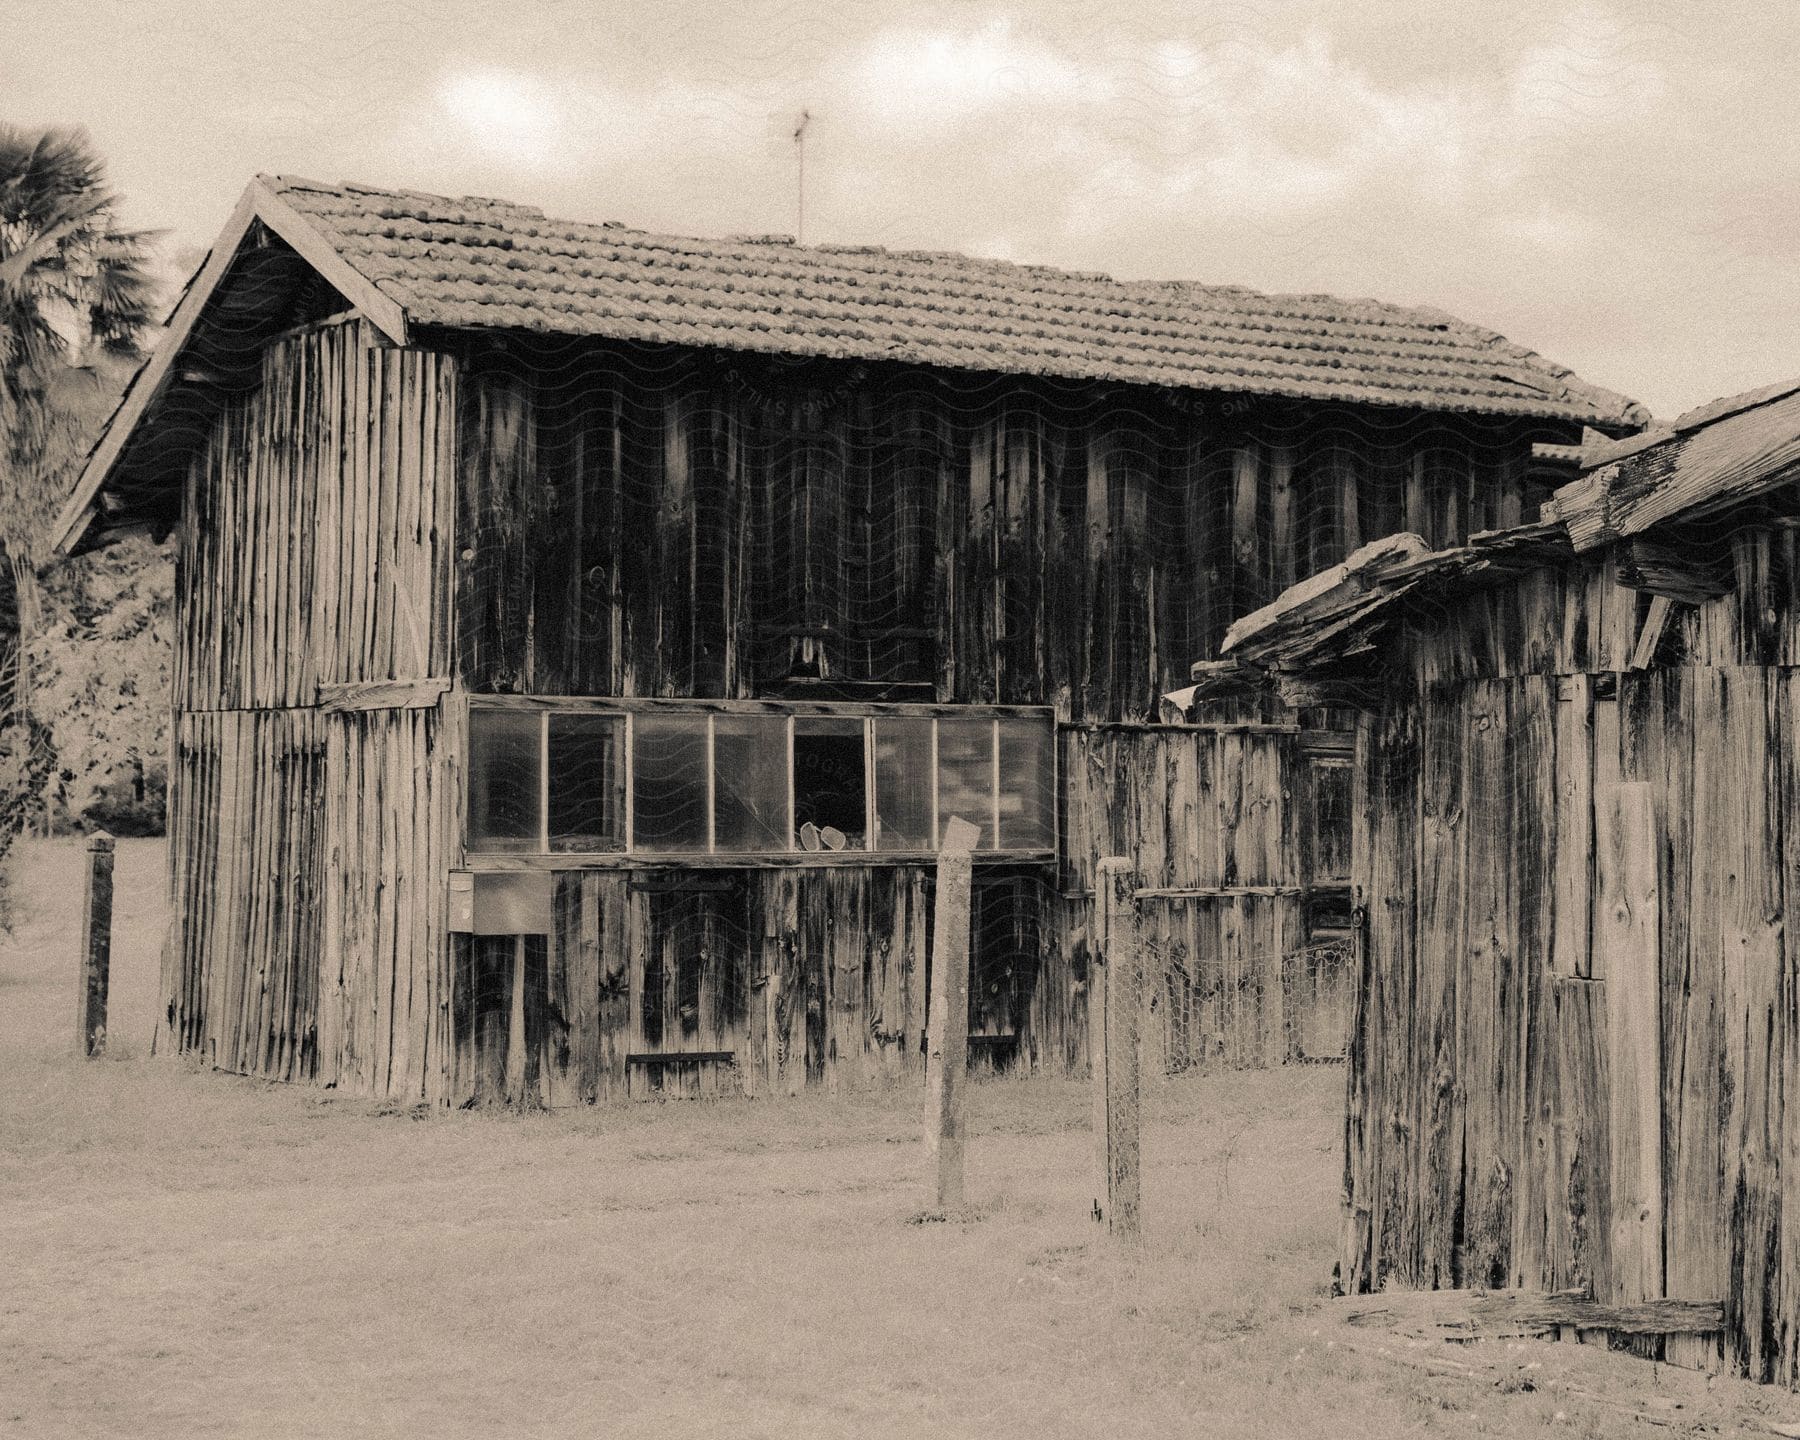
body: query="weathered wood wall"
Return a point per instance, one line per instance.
(240, 970)
(650, 522)
(1577, 1022)
(1213, 818)
(308, 846)
(756, 981)
(676, 523)
(585, 520)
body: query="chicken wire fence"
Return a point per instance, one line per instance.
(1246, 1010)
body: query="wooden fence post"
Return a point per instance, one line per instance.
(1115, 1007)
(947, 1053)
(96, 947)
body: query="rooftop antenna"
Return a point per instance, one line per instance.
(800, 182)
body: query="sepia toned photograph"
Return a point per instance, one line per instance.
(928, 719)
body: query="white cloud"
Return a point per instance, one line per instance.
(930, 80)
(510, 114)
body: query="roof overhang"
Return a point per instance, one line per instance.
(161, 372)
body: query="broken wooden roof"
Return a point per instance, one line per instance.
(1338, 613)
(1723, 454)
(410, 261)
(1707, 460)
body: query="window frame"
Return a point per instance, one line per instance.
(628, 853)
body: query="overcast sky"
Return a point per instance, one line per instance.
(1617, 186)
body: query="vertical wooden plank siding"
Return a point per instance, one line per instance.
(917, 529)
(1626, 916)
(1575, 1034)
(307, 848)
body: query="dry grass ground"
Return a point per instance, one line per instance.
(196, 1255)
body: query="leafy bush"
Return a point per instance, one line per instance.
(133, 802)
(100, 674)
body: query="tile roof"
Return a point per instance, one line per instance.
(474, 263)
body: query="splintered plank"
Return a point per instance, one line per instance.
(1786, 1041)
(1579, 1242)
(1514, 1314)
(1386, 1083)
(1486, 993)
(1442, 833)
(1695, 1244)
(1531, 724)
(1751, 923)
(1626, 935)
(1570, 953)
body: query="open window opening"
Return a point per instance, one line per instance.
(831, 783)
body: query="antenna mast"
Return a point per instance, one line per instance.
(800, 181)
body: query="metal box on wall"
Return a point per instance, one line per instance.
(501, 902)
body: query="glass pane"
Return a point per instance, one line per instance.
(587, 782)
(903, 784)
(503, 779)
(1027, 785)
(830, 784)
(668, 782)
(750, 782)
(965, 763)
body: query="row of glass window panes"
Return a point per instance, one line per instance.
(582, 782)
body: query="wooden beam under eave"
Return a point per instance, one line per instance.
(151, 380)
(386, 314)
(160, 370)
(1690, 573)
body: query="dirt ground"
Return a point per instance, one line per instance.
(194, 1254)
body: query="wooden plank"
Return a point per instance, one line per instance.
(1531, 726)
(1751, 924)
(1486, 990)
(1786, 1045)
(96, 948)
(1698, 473)
(575, 956)
(1116, 1014)
(1570, 951)
(1626, 935)
(1283, 530)
(1442, 837)
(1579, 1242)
(947, 1048)
(1650, 634)
(1696, 1242)
(1248, 572)
(1511, 1314)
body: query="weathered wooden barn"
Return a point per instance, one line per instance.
(1577, 1042)
(582, 633)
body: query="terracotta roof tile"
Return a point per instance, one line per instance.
(485, 263)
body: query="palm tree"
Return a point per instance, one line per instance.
(75, 296)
